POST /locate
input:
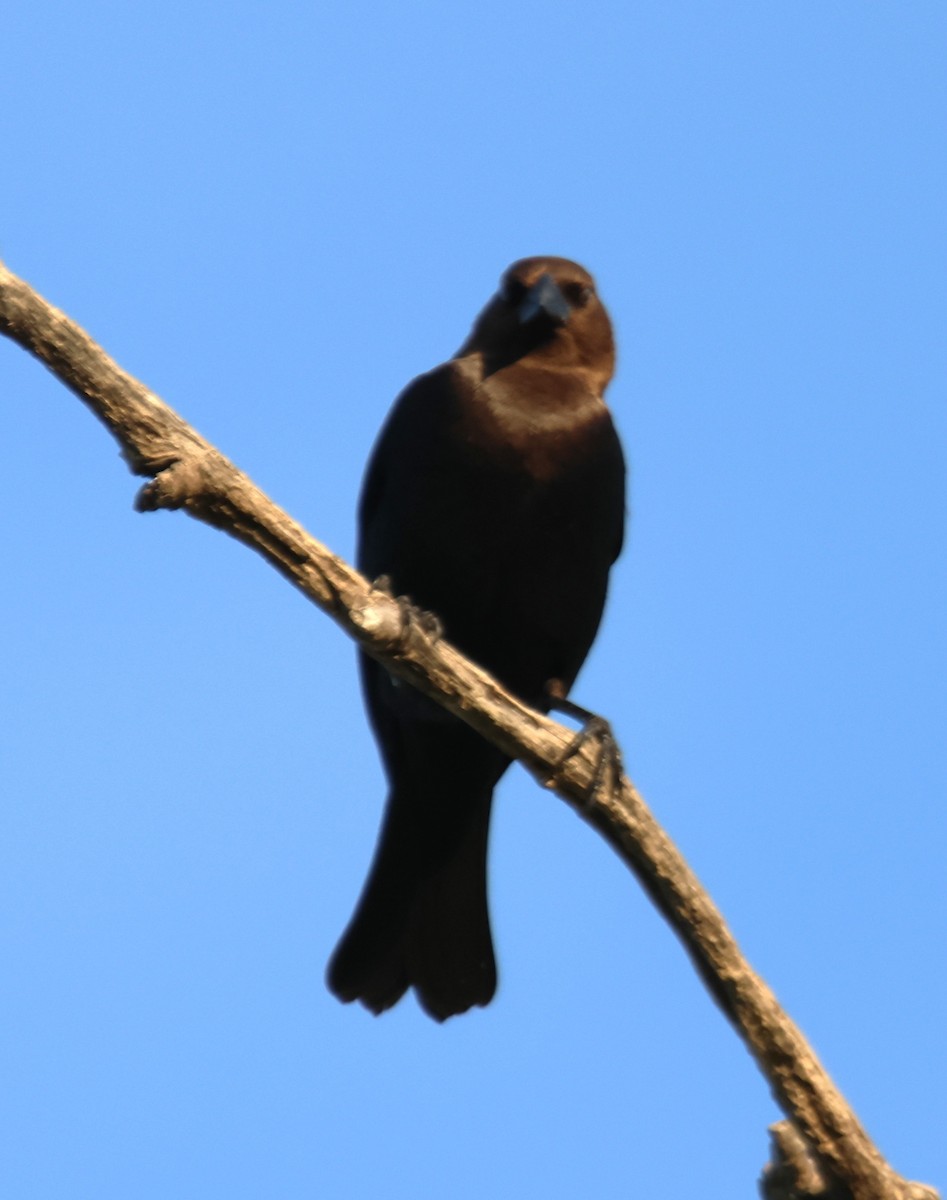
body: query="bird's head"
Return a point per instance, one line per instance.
(546, 308)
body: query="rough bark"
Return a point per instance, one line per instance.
(822, 1150)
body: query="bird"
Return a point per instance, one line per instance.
(494, 499)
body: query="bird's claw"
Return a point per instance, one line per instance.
(608, 764)
(411, 614)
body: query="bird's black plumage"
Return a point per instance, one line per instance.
(494, 498)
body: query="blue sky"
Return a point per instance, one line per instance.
(275, 216)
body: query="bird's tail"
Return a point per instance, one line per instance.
(422, 919)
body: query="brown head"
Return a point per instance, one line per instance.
(546, 308)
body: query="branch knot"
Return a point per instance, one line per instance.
(181, 483)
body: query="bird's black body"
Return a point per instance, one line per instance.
(494, 499)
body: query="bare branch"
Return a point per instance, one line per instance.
(187, 472)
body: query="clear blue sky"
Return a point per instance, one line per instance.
(275, 216)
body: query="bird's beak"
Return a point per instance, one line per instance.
(544, 299)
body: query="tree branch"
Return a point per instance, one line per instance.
(187, 472)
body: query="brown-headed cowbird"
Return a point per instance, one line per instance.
(495, 499)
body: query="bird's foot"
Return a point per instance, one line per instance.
(595, 729)
(411, 614)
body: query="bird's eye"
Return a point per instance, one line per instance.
(513, 291)
(578, 294)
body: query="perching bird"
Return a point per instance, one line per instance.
(495, 499)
